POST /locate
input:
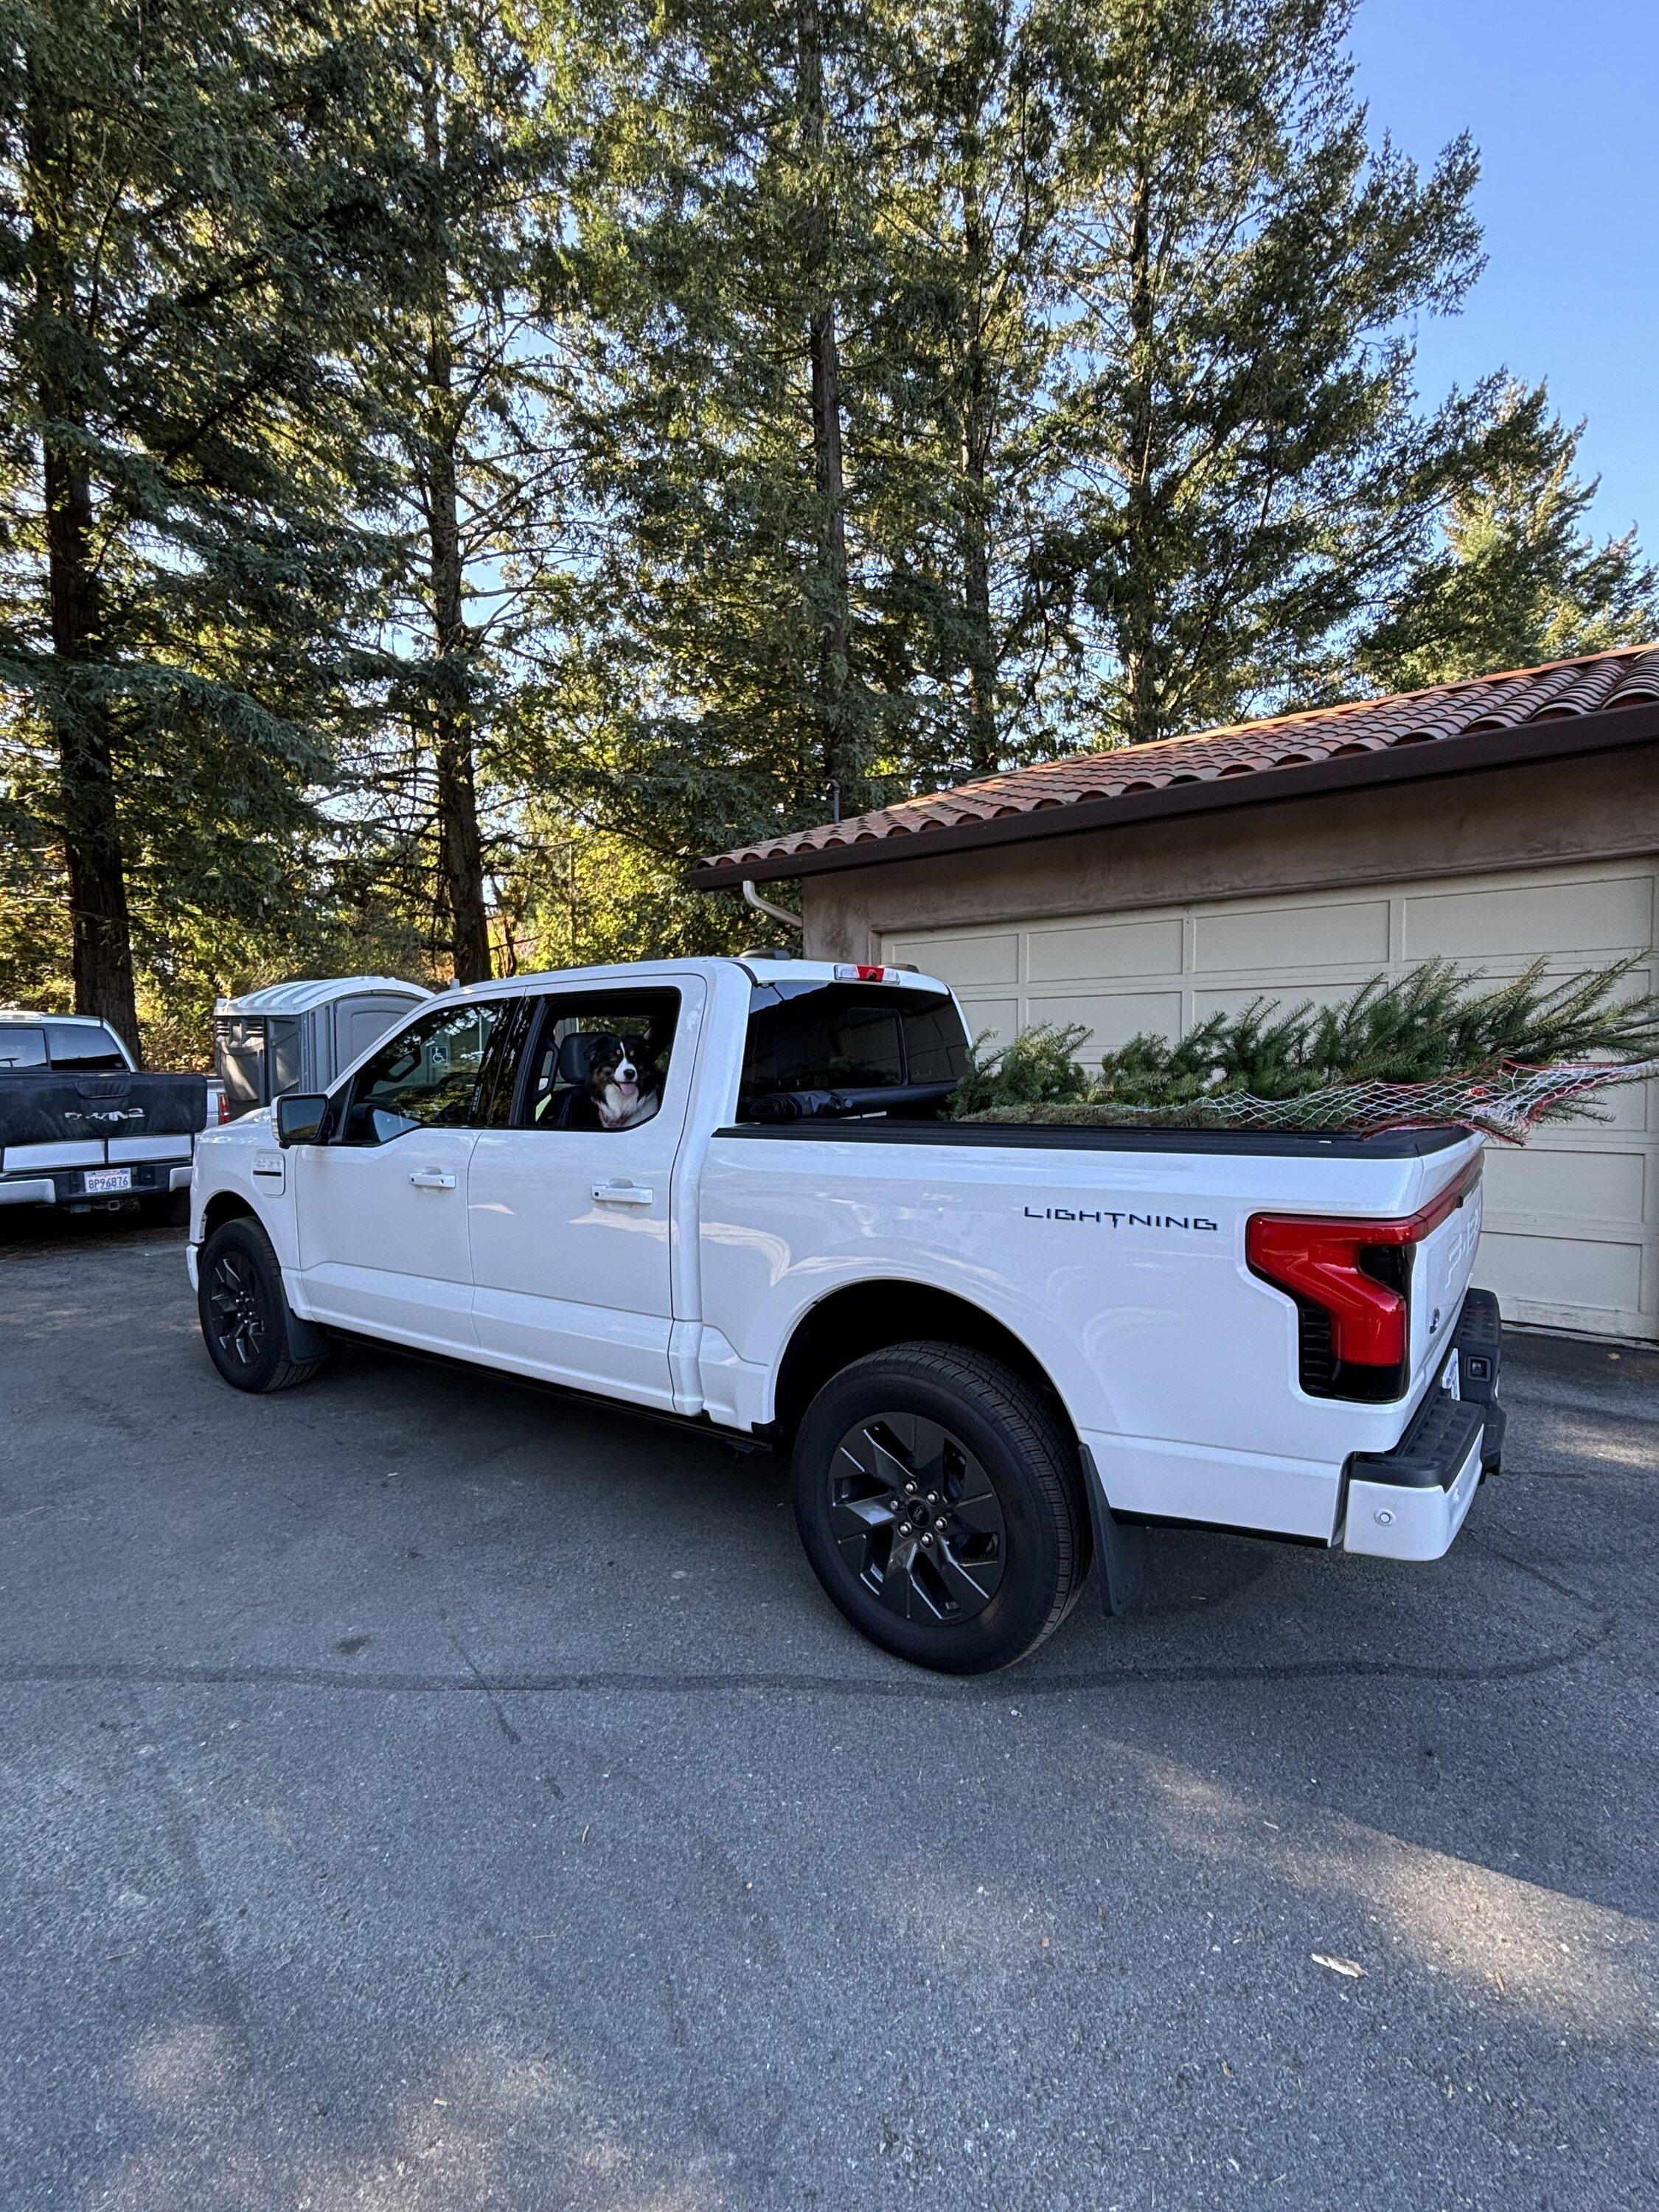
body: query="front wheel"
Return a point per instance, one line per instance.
(936, 1494)
(243, 1313)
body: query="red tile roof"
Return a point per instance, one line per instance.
(1562, 691)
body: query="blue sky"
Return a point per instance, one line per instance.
(1559, 100)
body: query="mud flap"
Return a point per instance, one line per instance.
(1120, 1546)
(305, 1340)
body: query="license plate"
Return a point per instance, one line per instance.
(1451, 1378)
(109, 1179)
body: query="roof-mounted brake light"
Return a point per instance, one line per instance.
(854, 971)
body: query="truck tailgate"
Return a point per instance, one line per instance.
(143, 1116)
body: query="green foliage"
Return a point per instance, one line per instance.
(1039, 1067)
(1432, 1023)
(1252, 466)
(180, 226)
(1517, 580)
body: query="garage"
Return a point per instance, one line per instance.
(1571, 1237)
(1491, 823)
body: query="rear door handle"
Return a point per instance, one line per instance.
(431, 1179)
(621, 1193)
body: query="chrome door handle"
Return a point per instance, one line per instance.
(621, 1193)
(431, 1179)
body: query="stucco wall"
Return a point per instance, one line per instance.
(1601, 805)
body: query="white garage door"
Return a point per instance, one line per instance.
(1572, 1222)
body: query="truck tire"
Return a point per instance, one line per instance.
(937, 1495)
(244, 1314)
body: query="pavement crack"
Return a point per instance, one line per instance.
(608, 1680)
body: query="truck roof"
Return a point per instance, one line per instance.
(760, 967)
(20, 1014)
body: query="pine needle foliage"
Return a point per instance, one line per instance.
(1434, 1022)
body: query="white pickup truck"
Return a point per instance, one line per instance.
(723, 1190)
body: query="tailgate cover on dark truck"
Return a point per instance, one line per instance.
(48, 1109)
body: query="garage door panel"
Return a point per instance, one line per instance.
(1112, 1018)
(1289, 995)
(1563, 1273)
(1608, 1187)
(1108, 948)
(1614, 914)
(961, 962)
(999, 1016)
(1348, 934)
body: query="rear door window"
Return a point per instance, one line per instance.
(600, 1060)
(826, 1037)
(85, 1048)
(23, 1044)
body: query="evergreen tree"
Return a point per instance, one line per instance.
(717, 673)
(458, 370)
(1250, 467)
(966, 339)
(1517, 579)
(180, 216)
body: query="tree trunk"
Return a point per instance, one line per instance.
(982, 752)
(460, 847)
(1138, 634)
(100, 934)
(823, 354)
(100, 929)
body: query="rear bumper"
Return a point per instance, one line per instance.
(1409, 1503)
(68, 1186)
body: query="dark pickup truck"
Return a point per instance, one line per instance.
(81, 1128)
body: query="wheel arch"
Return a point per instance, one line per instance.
(868, 1316)
(227, 1205)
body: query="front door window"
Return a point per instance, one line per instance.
(432, 1075)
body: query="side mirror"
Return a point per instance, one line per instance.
(299, 1118)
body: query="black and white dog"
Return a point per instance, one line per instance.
(619, 1097)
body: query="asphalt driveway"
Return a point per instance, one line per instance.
(416, 1792)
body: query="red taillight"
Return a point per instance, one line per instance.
(855, 971)
(1322, 1262)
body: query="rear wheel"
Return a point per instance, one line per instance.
(936, 1494)
(243, 1312)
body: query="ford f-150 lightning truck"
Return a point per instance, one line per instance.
(725, 1191)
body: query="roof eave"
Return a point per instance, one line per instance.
(1559, 738)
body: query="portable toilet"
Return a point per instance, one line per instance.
(298, 1037)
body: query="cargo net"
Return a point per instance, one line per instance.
(1508, 1104)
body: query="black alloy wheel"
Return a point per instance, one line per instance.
(244, 1314)
(241, 1321)
(915, 1517)
(938, 1497)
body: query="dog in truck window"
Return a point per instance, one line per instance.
(621, 1096)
